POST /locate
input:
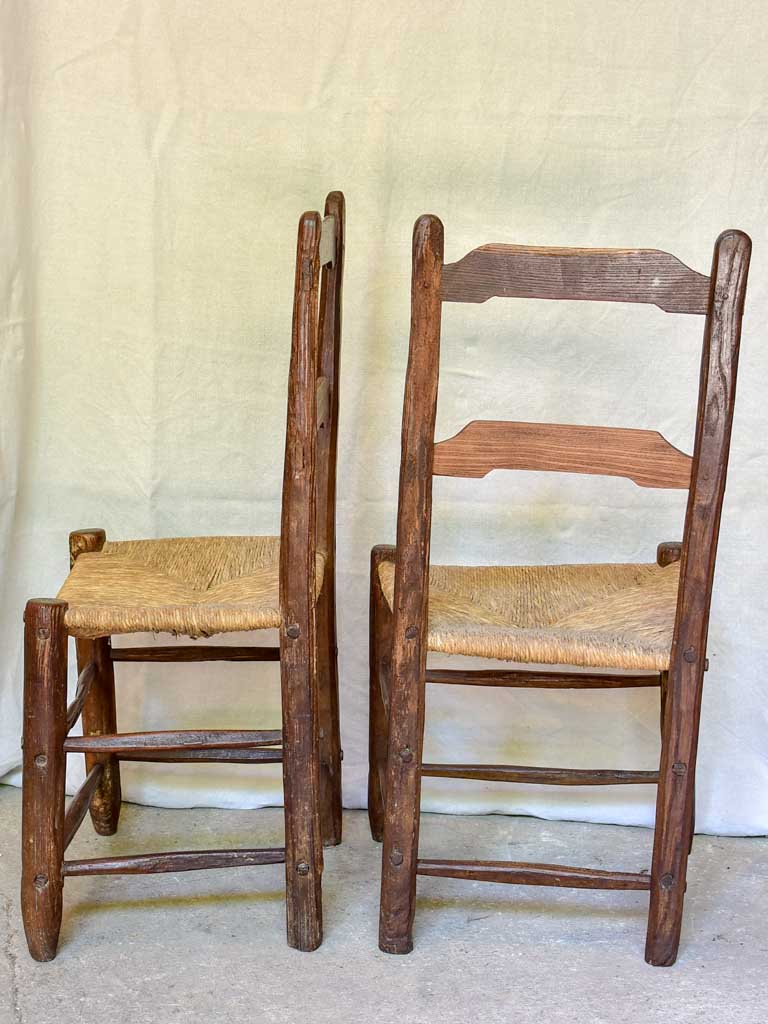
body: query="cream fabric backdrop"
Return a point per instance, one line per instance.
(157, 156)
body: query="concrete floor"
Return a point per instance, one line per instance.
(201, 946)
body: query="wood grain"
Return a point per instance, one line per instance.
(409, 623)
(328, 367)
(298, 634)
(682, 710)
(44, 770)
(515, 873)
(540, 776)
(535, 679)
(183, 860)
(606, 275)
(668, 552)
(186, 653)
(84, 683)
(643, 456)
(206, 755)
(152, 742)
(80, 803)
(379, 683)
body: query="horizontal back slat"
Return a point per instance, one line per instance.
(608, 275)
(640, 455)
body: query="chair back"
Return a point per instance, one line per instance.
(609, 275)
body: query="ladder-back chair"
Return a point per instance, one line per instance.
(199, 587)
(641, 625)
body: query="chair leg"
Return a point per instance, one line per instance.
(380, 659)
(402, 803)
(100, 718)
(328, 715)
(44, 770)
(301, 788)
(674, 818)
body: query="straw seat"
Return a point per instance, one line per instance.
(592, 616)
(192, 586)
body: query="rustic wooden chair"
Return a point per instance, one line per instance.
(198, 587)
(643, 625)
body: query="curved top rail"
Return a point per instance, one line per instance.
(608, 275)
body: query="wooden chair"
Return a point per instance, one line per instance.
(642, 625)
(198, 587)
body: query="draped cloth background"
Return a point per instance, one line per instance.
(156, 158)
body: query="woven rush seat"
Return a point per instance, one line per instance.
(594, 616)
(189, 586)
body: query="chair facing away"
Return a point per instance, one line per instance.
(198, 587)
(642, 625)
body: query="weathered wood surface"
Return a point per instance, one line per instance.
(379, 683)
(84, 683)
(185, 739)
(682, 711)
(240, 755)
(44, 770)
(541, 776)
(184, 860)
(298, 635)
(668, 552)
(327, 417)
(515, 873)
(80, 803)
(203, 652)
(99, 711)
(643, 456)
(409, 624)
(606, 275)
(534, 679)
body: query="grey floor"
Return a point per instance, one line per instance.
(209, 945)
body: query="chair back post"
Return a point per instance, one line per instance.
(328, 364)
(414, 512)
(409, 622)
(297, 529)
(298, 627)
(717, 391)
(682, 706)
(327, 681)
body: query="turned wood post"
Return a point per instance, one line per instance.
(677, 771)
(44, 770)
(380, 661)
(99, 711)
(298, 634)
(409, 623)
